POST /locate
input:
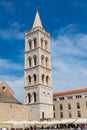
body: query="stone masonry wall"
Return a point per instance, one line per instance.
(11, 111)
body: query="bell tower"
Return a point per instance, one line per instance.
(37, 72)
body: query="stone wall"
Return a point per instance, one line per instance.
(12, 111)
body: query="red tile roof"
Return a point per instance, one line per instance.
(70, 92)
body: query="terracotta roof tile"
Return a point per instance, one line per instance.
(70, 92)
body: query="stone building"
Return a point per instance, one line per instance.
(37, 74)
(10, 107)
(70, 104)
(38, 100)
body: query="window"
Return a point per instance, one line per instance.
(70, 114)
(78, 96)
(29, 79)
(54, 99)
(42, 42)
(42, 115)
(69, 106)
(46, 61)
(34, 96)
(61, 114)
(43, 77)
(61, 107)
(61, 98)
(29, 97)
(46, 43)
(35, 42)
(3, 87)
(30, 44)
(42, 60)
(54, 114)
(86, 96)
(35, 59)
(70, 97)
(29, 59)
(86, 104)
(53, 107)
(47, 79)
(78, 105)
(44, 94)
(78, 113)
(34, 77)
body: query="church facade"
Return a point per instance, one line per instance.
(38, 100)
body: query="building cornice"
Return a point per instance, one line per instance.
(36, 66)
(36, 49)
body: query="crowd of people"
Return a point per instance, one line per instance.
(57, 127)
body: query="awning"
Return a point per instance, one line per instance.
(67, 121)
(81, 120)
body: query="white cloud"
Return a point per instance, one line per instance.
(7, 5)
(12, 74)
(9, 65)
(69, 60)
(69, 63)
(14, 32)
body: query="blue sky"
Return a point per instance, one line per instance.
(65, 20)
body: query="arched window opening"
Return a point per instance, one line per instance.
(35, 78)
(29, 79)
(48, 94)
(34, 97)
(46, 61)
(42, 60)
(46, 45)
(42, 42)
(47, 79)
(35, 60)
(42, 115)
(29, 59)
(30, 44)
(35, 42)
(29, 97)
(43, 77)
(44, 94)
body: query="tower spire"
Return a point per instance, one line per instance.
(37, 21)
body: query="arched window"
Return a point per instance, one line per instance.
(43, 77)
(46, 45)
(29, 59)
(35, 42)
(46, 61)
(42, 60)
(42, 42)
(29, 97)
(34, 97)
(35, 78)
(29, 79)
(47, 79)
(35, 59)
(44, 94)
(42, 115)
(30, 44)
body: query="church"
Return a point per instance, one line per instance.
(38, 100)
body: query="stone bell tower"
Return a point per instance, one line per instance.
(37, 73)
